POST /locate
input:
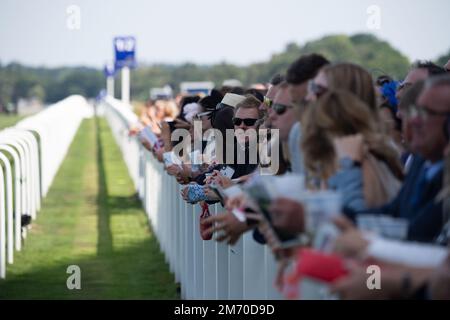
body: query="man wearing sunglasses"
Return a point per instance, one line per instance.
(421, 70)
(268, 99)
(416, 200)
(284, 118)
(246, 118)
(301, 72)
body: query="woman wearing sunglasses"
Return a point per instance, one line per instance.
(344, 76)
(342, 142)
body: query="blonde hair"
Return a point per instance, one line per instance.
(353, 78)
(170, 109)
(250, 102)
(340, 113)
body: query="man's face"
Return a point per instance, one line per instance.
(406, 131)
(427, 136)
(286, 120)
(242, 116)
(412, 77)
(402, 114)
(316, 87)
(271, 93)
(447, 66)
(298, 92)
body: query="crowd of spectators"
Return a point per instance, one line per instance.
(333, 169)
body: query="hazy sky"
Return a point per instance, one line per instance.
(35, 32)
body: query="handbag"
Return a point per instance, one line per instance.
(205, 214)
(380, 184)
(316, 265)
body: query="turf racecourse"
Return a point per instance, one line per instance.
(91, 218)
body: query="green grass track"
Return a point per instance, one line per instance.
(90, 218)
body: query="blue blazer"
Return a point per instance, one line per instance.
(425, 216)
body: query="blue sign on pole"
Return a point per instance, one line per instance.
(124, 48)
(109, 70)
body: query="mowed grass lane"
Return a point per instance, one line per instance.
(90, 218)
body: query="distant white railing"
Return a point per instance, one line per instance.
(30, 155)
(205, 269)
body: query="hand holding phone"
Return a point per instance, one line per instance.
(227, 171)
(260, 190)
(147, 135)
(171, 158)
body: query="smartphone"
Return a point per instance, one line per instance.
(227, 171)
(223, 194)
(195, 158)
(260, 193)
(218, 190)
(171, 158)
(233, 191)
(148, 135)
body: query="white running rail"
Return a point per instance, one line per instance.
(30, 155)
(205, 269)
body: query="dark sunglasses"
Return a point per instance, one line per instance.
(383, 80)
(424, 112)
(248, 121)
(316, 89)
(279, 108)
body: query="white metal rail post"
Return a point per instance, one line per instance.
(8, 201)
(30, 155)
(22, 147)
(205, 269)
(7, 222)
(17, 191)
(35, 163)
(120, 117)
(21, 195)
(32, 165)
(2, 227)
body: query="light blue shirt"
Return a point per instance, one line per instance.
(295, 152)
(348, 180)
(433, 169)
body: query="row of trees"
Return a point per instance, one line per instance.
(48, 85)
(51, 85)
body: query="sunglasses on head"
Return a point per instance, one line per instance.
(268, 102)
(404, 85)
(202, 114)
(279, 108)
(248, 121)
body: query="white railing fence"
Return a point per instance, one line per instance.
(205, 269)
(30, 155)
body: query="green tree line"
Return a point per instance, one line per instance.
(51, 85)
